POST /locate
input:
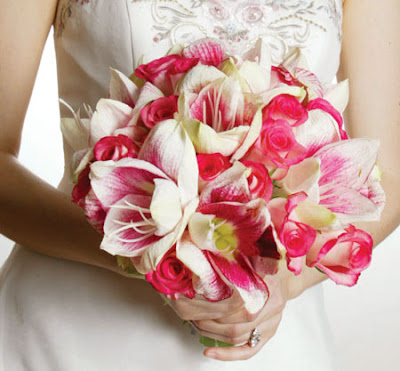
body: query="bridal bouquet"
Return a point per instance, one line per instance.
(202, 171)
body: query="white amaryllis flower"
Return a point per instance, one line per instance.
(221, 107)
(148, 200)
(341, 182)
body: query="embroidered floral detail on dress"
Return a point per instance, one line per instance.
(64, 11)
(283, 24)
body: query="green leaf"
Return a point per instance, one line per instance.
(127, 266)
(208, 342)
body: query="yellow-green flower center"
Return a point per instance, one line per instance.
(224, 236)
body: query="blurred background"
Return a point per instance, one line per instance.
(365, 319)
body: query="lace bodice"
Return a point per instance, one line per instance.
(92, 35)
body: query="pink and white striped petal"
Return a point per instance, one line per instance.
(346, 167)
(128, 227)
(169, 148)
(347, 163)
(318, 131)
(231, 185)
(206, 281)
(210, 52)
(112, 181)
(219, 105)
(239, 273)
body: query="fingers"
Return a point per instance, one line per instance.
(240, 316)
(271, 308)
(267, 330)
(233, 333)
(236, 333)
(200, 309)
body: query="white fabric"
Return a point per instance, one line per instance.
(58, 315)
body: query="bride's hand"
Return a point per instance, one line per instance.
(228, 320)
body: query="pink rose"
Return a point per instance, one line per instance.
(159, 110)
(277, 136)
(211, 165)
(297, 238)
(172, 277)
(286, 107)
(82, 187)
(83, 196)
(260, 183)
(278, 143)
(114, 148)
(165, 72)
(343, 258)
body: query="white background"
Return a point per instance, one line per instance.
(365, 319)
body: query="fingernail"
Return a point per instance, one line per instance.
(211, 354)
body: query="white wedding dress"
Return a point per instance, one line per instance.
(57, 315)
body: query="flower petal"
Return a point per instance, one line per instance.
(240, 274)
(231, 185)
(347, 163)
(252, 135)
(338, 95)
(148, 93)
(170, 149)
(206, 140)
(257, 77)
(319, 130)
(156, 251)
(76, 132)
(261, 54)
(112, 181)
(303, 177)
(209, 52)
(126, 232)
(207, 282)
(197, 78)
(109, 116)
(122, 88)
(314, 215)
(165, 206)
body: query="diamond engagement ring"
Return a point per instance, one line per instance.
(255, 338)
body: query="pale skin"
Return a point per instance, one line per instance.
(47, 222)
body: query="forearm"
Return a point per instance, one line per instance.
(44, 219)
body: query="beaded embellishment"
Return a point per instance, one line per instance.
(283, 24)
